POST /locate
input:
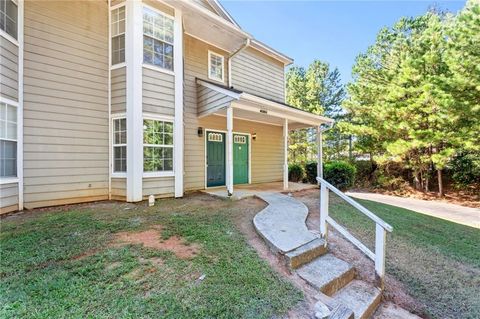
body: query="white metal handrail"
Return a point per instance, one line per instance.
(381, 228)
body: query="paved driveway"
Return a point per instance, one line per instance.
(454, 213)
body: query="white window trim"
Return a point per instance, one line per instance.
(124, 63)
(8, 36)
(170, 119)
(210, 54)
(13, 179)
(117, 174)
(153, 66)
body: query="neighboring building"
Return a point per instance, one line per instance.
(120, 100)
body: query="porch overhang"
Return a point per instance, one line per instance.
(215, 99)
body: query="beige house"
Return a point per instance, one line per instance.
(109, 99)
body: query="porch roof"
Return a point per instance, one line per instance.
(214, 99)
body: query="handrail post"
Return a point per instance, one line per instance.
(380, 240)
(323, 211)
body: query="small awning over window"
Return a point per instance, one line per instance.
(214, 98)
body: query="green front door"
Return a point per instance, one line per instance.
(215, 159)
(240, 159)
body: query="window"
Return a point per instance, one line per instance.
(215, 137)
(8, 140)
(119, 145)
(157, 39)
(215, 66)
(157, 146)
(8, 17)
(118, 35)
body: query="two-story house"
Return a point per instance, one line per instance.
(110, 99)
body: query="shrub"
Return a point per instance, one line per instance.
(295, 173)
(465, 170)
(339, 174)
(311, 172)
(365, 173)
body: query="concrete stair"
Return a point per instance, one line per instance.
(362, 298)
(305, 253)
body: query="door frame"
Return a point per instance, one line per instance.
(205, 154)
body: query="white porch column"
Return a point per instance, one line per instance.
(285, 154)
(230, 150)
(134, 59)
(178, 127)
(319, 152)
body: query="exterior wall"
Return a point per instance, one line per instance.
(119, 188)
(158, 92)
(65, 102)
(159, 186)
(119, 94)
(257, 73)
(8, 69)
(195, 65)
(8, 197)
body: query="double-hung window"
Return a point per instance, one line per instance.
(8, 17)
(157, 146)
(118, 35)
(157, 39)
(215, 66)
(8, 140)
(119, 145)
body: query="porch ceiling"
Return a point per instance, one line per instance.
(215, 99)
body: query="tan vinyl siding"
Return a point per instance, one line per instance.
(158, 92)
(119, 188)
(116, 2)
(159, 186)
(8, 69)
(256, 73)
(8, 198)
(119, 95)
(66, 102)
(161, 7)
(195, 65)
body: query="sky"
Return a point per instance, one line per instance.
(332, 31)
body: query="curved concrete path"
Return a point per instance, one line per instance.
(282, 222)
(455, 213)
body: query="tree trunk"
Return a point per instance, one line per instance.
(440, 183)
(417, 180)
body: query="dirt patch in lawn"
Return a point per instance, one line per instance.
(152, 238)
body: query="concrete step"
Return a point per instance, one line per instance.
(327, 273)
(359, 296)
(306, 253)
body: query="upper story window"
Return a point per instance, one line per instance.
(8, 17)
(157, 39)
(8, 140)
(216, 66)
(118, 35)
(157, 146)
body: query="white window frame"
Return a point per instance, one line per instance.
(117, 174)
(210, 76)
(7, 36)
(152, 66)
(121, 64)
(169, 119)
(12, 179)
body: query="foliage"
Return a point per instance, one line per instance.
(311, 172)
(364, 172)
(465, 169)
(295, 173)
(339, 174)
(411, 100)
(59, 264)
(317, 89)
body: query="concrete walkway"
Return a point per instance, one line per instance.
(455, 213)
(282, 222)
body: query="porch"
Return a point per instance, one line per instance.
(225, 147)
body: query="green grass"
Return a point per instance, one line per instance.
(437, 260)
(41, 275)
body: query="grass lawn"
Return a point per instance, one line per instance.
(63, 263)
(437, 260)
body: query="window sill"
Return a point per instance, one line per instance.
(9, 37)
(118, 66)
(216, 79)
(157, 68)
(8, 180)
(158, 174)
(119, 175)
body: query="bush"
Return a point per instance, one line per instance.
(311, 172)
(365, 173)
(465, 170)
(295, 173)
(339, 174)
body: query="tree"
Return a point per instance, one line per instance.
(319, 90)
(408, 101)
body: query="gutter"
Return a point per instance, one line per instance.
(231, 56)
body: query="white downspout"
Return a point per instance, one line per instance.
(243, 47)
